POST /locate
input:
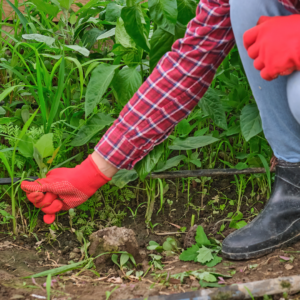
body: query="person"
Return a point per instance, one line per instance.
(267, 36)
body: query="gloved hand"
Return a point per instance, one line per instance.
(274, 44)
(64, 188)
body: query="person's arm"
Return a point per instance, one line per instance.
(173, 89)
(170, 93)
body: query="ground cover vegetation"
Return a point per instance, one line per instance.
(64, 78)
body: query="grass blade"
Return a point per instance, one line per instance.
(57, 97)
(20, 15)
(6, 164)
(48, 287)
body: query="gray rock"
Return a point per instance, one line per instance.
(74, 255)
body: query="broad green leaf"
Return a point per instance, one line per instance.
(25, 146)
(45, 7)
(81, 50)
(170, 244)
(107, 34)
(184, 128)
(170, 163)
(237, 225)
(214, 262)
(201, 238)
(65, 4)
(250, 121)
(196, 162)
(48, 40)
(20, 15)
(164, 14)
(153, 243)
(92, 127)
(25, 114)
(45, 145)
(190, 254)
(186, 10)
(122, 37)
(204, 255)
(147, 164)
(161, 42)
(114, 258)
(237, 216)
(124, 259)
(125, 84)
(100, 80)
(180, 31)
(209, 284)
(134, 25)
(90, 37)
(212, 106)
(241, 166)
(192, 142)
(207, 277)
(113, 12)
(233, 130)
(122, 177)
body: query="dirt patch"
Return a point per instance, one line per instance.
(24, 256)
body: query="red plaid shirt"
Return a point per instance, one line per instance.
(175, 86)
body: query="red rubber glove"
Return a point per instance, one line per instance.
(274, 44)
(64, 188)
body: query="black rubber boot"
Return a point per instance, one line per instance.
(277, 225)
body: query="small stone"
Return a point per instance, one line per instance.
(76, 250)
(74, 255)
(288, 267)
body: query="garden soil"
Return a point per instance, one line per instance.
(23, 256)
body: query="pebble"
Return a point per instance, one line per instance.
(73, 255)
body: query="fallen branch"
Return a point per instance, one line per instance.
(240, 291)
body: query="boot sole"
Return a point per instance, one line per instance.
(259, 253)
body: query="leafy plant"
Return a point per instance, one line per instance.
(205, 250)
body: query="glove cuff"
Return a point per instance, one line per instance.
(97, 169)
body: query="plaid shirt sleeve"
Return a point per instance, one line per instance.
(173, 89)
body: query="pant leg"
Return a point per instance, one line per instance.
(293, 94)
(280, 126)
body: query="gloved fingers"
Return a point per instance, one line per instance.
(39, 185)
(250, 36)
(265, 74)
(258, 64)
(53, 208)
(253, 51)
(35, 197)
(46, 201)
(49, 218)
